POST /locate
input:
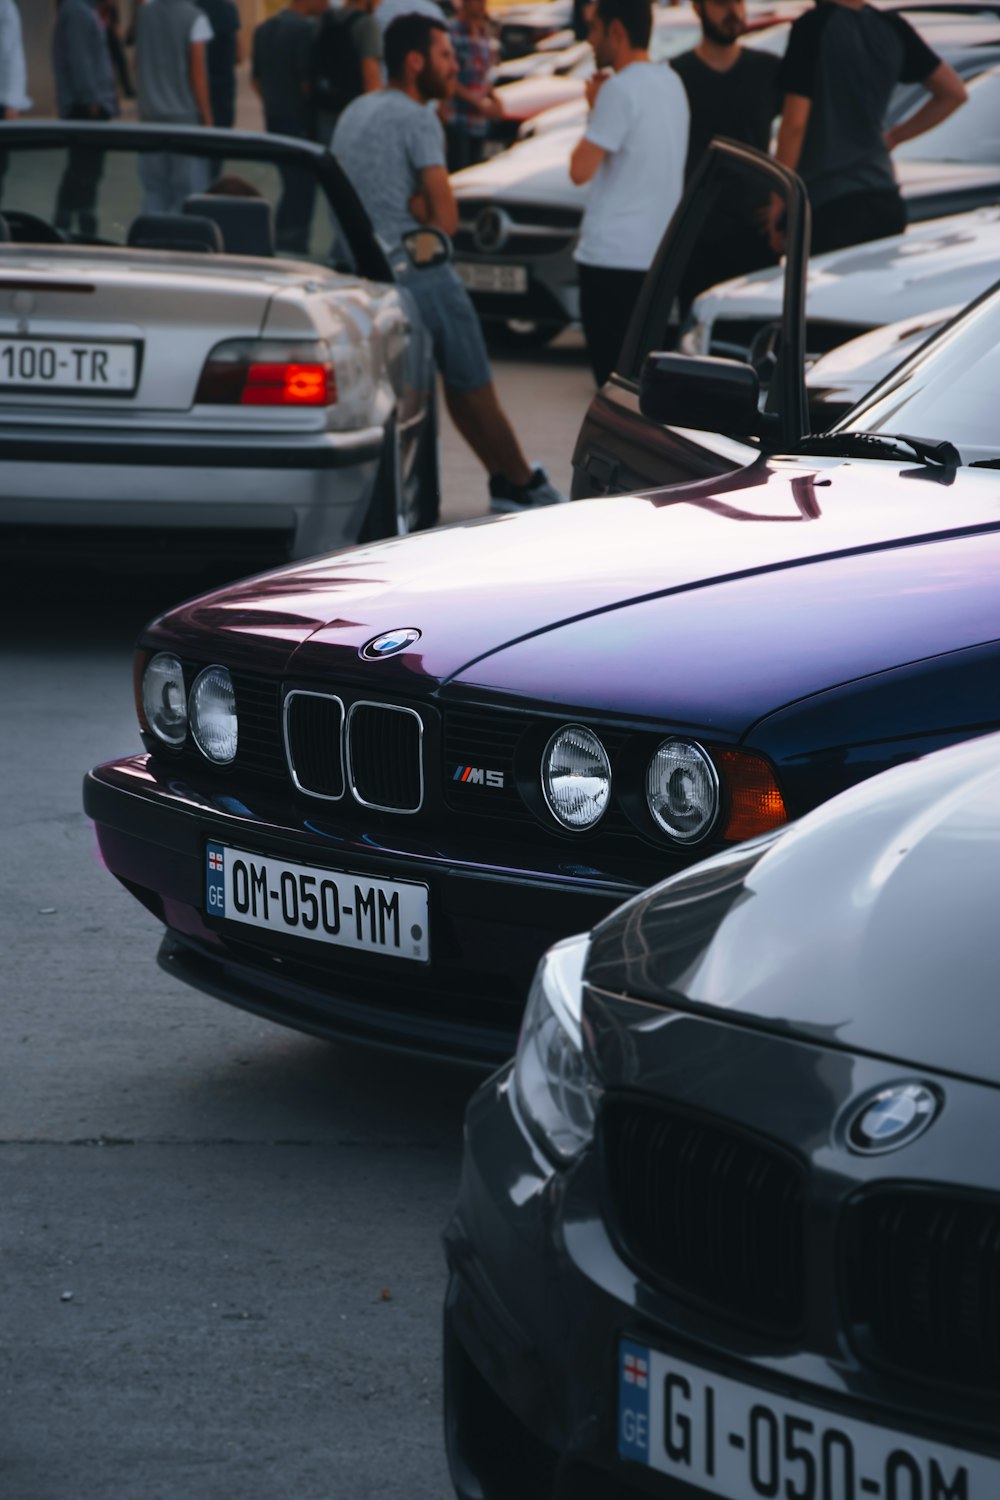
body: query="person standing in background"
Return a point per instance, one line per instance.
(282, 64)
(392, 148)
(391, 10)
(112, 29)
(14, 97)
(346, 62)
(85, 90)
(843, 61)
(473, 104)
(172, 86)
(633, 153)
(732, 91)
(224, 52)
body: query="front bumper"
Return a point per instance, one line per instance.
(103, 490)
(552, 297)
(539, 1297)
(491, 917)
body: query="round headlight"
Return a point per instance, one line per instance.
(212, 708)
(163, 700)
(682, 789)
(576, 777)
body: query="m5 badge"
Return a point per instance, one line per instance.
(477, 776)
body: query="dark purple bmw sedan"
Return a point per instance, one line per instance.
(377, 786)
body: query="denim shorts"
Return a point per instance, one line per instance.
(454, 327)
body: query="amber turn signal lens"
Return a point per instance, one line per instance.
(755, 801)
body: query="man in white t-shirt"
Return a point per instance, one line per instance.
(632, 154)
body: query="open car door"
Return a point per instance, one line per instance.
(687, 431)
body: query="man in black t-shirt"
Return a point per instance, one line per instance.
(843, 61)
(222, 54)
(732, 91)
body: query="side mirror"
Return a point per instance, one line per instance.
(427, 248)
(704, 392)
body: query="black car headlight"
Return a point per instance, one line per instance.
(556, 1086)
(576, 777)
(682, 790)
(212, 711)
(164, 702)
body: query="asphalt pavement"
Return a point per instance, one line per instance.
(220, 1266)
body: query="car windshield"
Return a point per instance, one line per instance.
(971, 134)
(108, 185)
(949, 390)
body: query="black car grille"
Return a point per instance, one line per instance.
(922, 1284)
(313, 735)
(735, 337)
(384, 754)
(259, 751)
(405, 764)
(710, 1213)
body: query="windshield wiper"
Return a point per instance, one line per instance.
(881, 445)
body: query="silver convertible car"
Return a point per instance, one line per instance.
(203, 351)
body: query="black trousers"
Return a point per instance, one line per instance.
(607, 301)
(293, 220)
(856, 218)
(76, 198)
(464, 150)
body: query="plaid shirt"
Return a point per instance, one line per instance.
(475, 62)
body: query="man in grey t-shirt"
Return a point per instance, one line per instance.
(391, 145)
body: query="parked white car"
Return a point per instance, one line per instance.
(849, 292)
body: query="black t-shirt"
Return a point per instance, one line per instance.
(220, 55)
(740, 103)
(847, 63)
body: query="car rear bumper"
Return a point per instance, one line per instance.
(306, 497)
(489, 921)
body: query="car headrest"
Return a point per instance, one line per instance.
(247, 224)
(174, 232)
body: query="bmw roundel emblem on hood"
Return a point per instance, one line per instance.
(389, 644)
(892, 1118)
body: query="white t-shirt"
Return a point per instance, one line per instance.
(641, 119)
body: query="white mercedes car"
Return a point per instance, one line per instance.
(203, 351)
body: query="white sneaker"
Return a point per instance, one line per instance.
(506, 497)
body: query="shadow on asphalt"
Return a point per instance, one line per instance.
(288, 1089)
(57, 602)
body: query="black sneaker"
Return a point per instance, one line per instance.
(506, 497)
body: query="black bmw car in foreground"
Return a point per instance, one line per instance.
(730, 1223)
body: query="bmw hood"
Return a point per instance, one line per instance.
(681, 598)
(868, 926)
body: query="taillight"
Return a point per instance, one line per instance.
(755, 801)
(268, 372)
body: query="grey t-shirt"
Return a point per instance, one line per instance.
(384, 141)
